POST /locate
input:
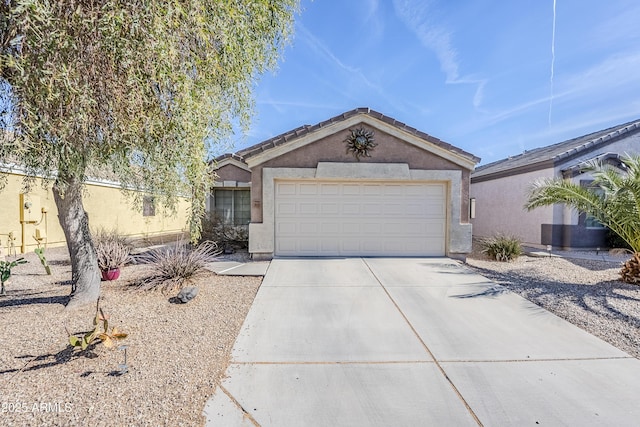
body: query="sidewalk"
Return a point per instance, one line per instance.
(590, 255)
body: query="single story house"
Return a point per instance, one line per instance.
(358, 184)
(499, 190)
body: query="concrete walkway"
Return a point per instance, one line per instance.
(414, 342)
(235, 268)
(588, 255)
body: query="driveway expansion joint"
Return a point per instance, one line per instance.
(245, 413)
(561, 359)
(429, 352)
(345, 362)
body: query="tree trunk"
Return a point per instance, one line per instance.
(85, 275)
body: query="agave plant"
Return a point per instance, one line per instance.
(616, 205)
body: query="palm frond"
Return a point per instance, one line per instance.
(613, 199)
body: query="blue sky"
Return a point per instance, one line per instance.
(488, 76)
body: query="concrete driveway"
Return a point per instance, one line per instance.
(414, 342)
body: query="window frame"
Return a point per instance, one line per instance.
(239, 215)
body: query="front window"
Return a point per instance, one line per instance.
(233, 206)
(148, 206)
(590, 221)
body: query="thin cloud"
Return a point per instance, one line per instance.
(614, 72)
(435, 37)
(352, 72)
(320, 48)
(418, 16)
(599, 82)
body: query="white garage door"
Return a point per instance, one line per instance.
(327, 218)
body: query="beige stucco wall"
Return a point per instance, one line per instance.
(332, 148)
(499, 201)
(458, 239)
(499, 208)
(106, 207)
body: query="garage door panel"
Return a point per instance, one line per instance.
(360, 219)
(285, 188)
(351, 189)
(351, 208)
(415, 209)
(330, 228)
(372, 190)
(308, 228)
(308, 208)
(394, 190)
(329, 208)
(393, 209)
(287, 228)
(330, 189)
(308, 189)
(286, 208)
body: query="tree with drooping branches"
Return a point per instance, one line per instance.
(138, 89)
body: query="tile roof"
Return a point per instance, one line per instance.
(552, 154)
(308, 129)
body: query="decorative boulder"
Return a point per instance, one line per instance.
(187, 294)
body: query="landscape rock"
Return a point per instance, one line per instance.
(187, 294)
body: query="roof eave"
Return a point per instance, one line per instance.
(532, 167)
(410, 135)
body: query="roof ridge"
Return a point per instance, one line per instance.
(307, 129)
(614, 132)
(557, 152)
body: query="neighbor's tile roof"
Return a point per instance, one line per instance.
(308, 129)
(553, 153)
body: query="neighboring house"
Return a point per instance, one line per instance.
(500, 189)
(27, 216)
(406, 193)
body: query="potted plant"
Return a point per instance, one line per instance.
(112, 255)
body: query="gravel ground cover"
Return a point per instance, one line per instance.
(585, 292)
(176, 353)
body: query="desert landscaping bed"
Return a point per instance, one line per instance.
(585, 292)
(176, 353)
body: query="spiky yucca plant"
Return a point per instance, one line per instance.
(617, 206)
(175, 265)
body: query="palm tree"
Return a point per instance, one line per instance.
(614, 200)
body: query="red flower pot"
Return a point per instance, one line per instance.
(111, 274)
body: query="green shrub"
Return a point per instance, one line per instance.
(227, 236)
(501, 248)
(173, 266)
(615, 241)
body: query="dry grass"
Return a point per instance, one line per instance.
(176, 353)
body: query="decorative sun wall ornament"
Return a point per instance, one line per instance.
(360, 142)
